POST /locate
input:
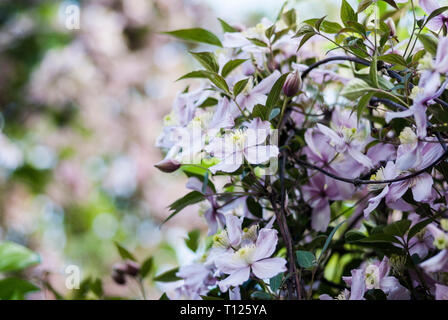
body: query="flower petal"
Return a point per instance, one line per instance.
(267, 268)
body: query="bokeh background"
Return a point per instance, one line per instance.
(80, 111)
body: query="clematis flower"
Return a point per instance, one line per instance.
(251, 259)
(198, 278)
(423, 241)
(254, 95)
(375, 275)
(386, 173)
(440, 261)
(242, 144)
(428, 88)
(358, 288)
(317, 194)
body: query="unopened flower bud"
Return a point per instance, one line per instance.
(132, 268)
(118, 275)
(391, 24)
(168, 165)
(292, 84)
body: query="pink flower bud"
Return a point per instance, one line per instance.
(168, 165)
(391, 24)
(292, 84)
(132, 268)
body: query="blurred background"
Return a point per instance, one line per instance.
(80, 110)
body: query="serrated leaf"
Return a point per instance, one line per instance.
(306, 259)
(207, 60)
(231, 65)
(168, 276)
(14, 257)
(215, 78)
(196, 35)
(124, 253)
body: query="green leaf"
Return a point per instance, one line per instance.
(393, 58)
(276, 282)
(193, 240)
(124, 253)
(14, 257)
(226, 27)
(306, 259)
(420, 226)
(180, 204)
(258, 42)
(355, 89)
(429, 43)
(392, 3)
(275, 112)
(164, 297)
(15, 288)
(97, 287)
(260, 111)
(168, 276)
(324, 25)
(354, 235)
(231, 65)
(196, 35)
(398, 228)
(347, 13)
(215, 78)
(305, 29)
(374, 71)
(261, 295)
(239, 86)
(327, 243)
(207, 60)
(379, 238)
(290, 18)
(146, 267)
(305, 39)
(362, 105)
(274, 95)
(364, 4)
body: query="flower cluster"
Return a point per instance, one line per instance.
(331, 136)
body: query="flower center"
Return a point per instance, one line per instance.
(372, 277)
(246, 253)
